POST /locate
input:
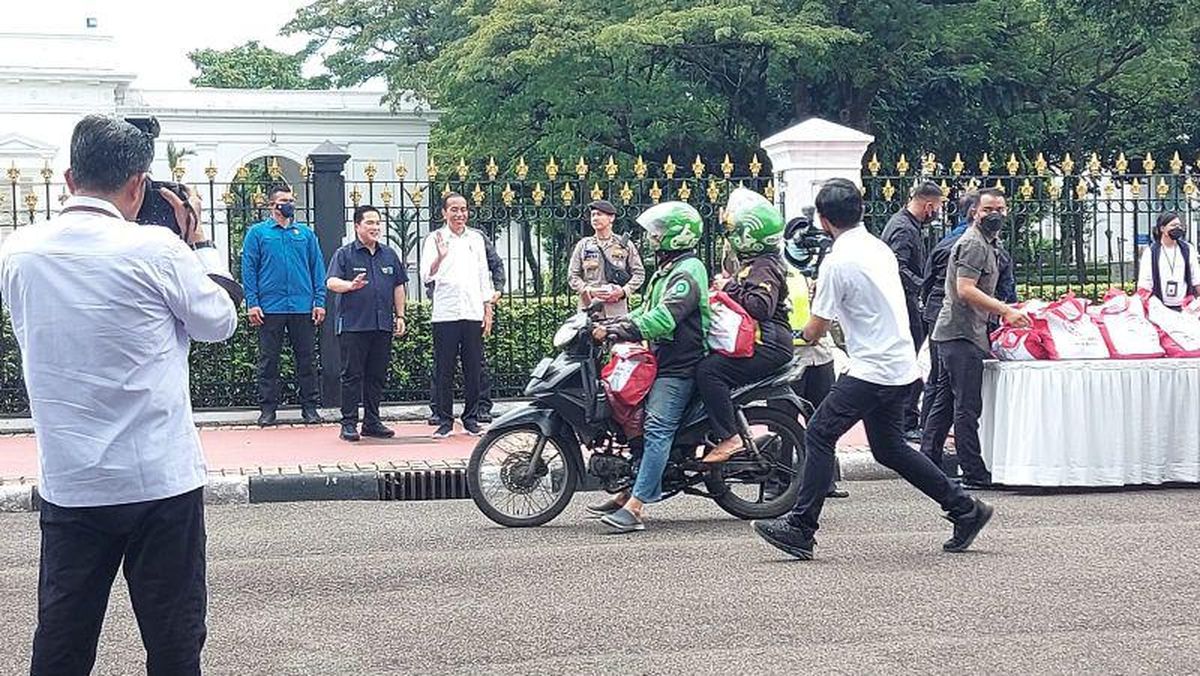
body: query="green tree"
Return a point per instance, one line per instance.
(253, 66)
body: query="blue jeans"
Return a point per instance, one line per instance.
(665, 405)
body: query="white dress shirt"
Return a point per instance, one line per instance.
(103, 310)
(859, 285)
(462, 283)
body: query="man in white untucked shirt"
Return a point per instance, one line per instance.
(454, 258)
(859, 285)
(103, 310)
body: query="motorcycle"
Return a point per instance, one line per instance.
(527, 467)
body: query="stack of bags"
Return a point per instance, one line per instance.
(1121, 327)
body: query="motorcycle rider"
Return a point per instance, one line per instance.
(674, 317)
(754, 229)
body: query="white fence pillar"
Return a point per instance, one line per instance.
(803, 157)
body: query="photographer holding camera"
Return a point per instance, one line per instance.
(103, 310)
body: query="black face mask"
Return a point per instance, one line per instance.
(1175, 234)
(992, 224)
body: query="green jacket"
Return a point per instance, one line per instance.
(674, 315)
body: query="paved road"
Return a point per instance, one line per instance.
(1089, 583)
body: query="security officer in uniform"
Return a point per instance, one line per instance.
(369, 278)
(605, 266)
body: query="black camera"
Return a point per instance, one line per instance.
(156, 210)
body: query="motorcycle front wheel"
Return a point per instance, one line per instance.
(513, 490)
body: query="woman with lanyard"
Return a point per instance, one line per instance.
(1169, 269)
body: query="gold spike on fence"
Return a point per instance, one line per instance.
(492, 169)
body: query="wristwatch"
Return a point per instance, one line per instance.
(203, 244)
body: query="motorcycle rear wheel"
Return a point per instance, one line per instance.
(781, 436)
(498, 480)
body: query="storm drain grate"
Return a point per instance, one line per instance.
(426, 484)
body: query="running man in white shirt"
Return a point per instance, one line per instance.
(103, 310)
(860, 287)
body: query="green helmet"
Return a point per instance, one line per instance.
(752, 224)
(672, 226)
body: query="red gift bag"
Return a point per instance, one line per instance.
(1125, 329)
(628, 377)
(1071, 331)
(732, 330)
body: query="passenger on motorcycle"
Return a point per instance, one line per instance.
(674, 318)
(754, 228)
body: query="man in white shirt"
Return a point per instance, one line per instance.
(859, 285)
(454, 258)
(1169, 269)
(103, 310)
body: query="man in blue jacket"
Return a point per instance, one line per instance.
(284, 280)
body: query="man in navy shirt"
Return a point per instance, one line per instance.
(283, 274)
(369, 278)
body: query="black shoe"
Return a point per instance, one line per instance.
(311, 417)
(977, 484)
(349, 432)
(378, 431)
(967, 526)
(472, 427)
(433, 421)
(267, 419)
(484, 418)
(783, 535)
(914, 435)
(444, 430)
(623, 521)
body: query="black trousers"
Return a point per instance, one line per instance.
(162, 545)
(814, 387)
(958, 402)
(460, 341)
(485, 388)
(717, 375)
(880, 407)
(302, 336)
(912, 405)
(935, 369)
(365, 359)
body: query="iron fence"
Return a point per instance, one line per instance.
(1072, 226)
(534, 217)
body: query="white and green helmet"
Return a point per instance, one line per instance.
(752, 224)
(672, 226)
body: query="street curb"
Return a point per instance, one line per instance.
(443, 481)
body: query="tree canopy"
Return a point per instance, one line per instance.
(253, 66)
(571, 77)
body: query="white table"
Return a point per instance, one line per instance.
(1091, 423)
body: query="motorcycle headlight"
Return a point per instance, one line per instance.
(569, 330)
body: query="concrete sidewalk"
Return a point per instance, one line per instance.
(309, 462)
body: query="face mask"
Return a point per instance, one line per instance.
(992, 223)
(1175, 234)
(287, 209)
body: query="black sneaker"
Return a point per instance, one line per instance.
(310, 416)
(967, 526)
(379, 432)
(984, 484)
(783, 535)
(349, 432)
(484, 418)
(433, 421)
(444, 430)
(266, 419)
(472, 427)
(914, 435)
